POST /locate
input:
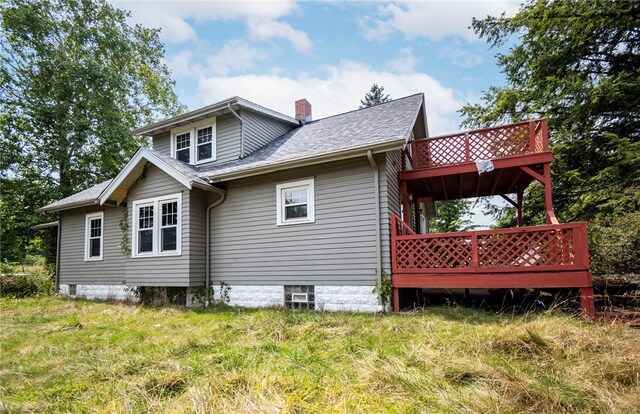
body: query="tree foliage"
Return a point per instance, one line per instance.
(375, 96)
(453, 215)
(75, 79)
(578, 64)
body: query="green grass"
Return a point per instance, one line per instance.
(79, 356)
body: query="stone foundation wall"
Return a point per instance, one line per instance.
(114, 292)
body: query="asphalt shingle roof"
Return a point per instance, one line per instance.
(189, 171)
(364, 127)
(376, 125)
(90, 194)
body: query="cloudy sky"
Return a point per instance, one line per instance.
(273, 53)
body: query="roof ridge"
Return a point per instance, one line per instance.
(367, 107)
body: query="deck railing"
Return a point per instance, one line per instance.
(537, 248)
(480, 144)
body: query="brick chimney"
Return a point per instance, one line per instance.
(303, 111)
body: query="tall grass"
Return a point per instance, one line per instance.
(78, 356)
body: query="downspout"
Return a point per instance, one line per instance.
(234, 113)
(58, 244)
(207, 255)
(376, 184)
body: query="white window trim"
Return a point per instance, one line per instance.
(281, 188)
(155, 202)
(192, 129)
(87, 235)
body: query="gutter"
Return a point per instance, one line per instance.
(58, 244)
(207, 254)
(234, 113)
(77, 204)
(376, 183)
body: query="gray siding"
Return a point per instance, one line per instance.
(390, 202)
(73, 268)
(160, 270)
(338, 249)
(261, 130)
(197, 234)
(162, 143)
(227, 139)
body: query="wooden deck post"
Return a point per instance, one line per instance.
(396, 300)
(406, 216)
(520, 195)
(548, 199)
(587, 303)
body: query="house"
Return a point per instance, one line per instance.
(272, 210)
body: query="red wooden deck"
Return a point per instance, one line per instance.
(443, 168)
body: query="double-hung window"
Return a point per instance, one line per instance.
(157, 226)
(295, 202)
(196, 143)
(183, 147)
(94, 224)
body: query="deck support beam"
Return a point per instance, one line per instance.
(519, 199)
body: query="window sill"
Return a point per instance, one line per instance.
(148, 256)
(293, 223)
(93, 259)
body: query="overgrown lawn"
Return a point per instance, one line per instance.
(79, 356)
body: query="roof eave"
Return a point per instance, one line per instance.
(202, 113)
(398, 143)
(77, 204)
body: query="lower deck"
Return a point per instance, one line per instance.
(549, 256)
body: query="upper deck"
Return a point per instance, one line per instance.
(444, 167)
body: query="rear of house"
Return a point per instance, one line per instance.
(266, 209)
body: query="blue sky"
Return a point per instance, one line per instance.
(275, 52)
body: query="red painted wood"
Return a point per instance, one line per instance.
(487, 143)
(396, 300)
(587, 303)
(470, 167)
(494, 281)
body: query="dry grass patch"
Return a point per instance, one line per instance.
(79, 356)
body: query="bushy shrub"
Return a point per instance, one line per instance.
(615, 249)
(22, 285)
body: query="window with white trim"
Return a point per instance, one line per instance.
(295, 202)
(157, 226)
(196, 143)
(183, 147)
(94, 223)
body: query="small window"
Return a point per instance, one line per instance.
(157, 226)
(205, 143)
(169, 226)
(295, 202)
(299, 297)
(195, 143)
(183, 147)
(94, 236)
(145, 228)
(72, 290)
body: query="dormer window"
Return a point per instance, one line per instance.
(183, 147)
(195, 143)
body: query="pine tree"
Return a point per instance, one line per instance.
(375, 96)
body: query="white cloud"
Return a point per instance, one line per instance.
(261, 29)
(339, 91)
(172, 15)
(404, 62)
(433, 19)
(237, 55)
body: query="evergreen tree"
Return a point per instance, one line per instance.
(578, 64)
(375, 96)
